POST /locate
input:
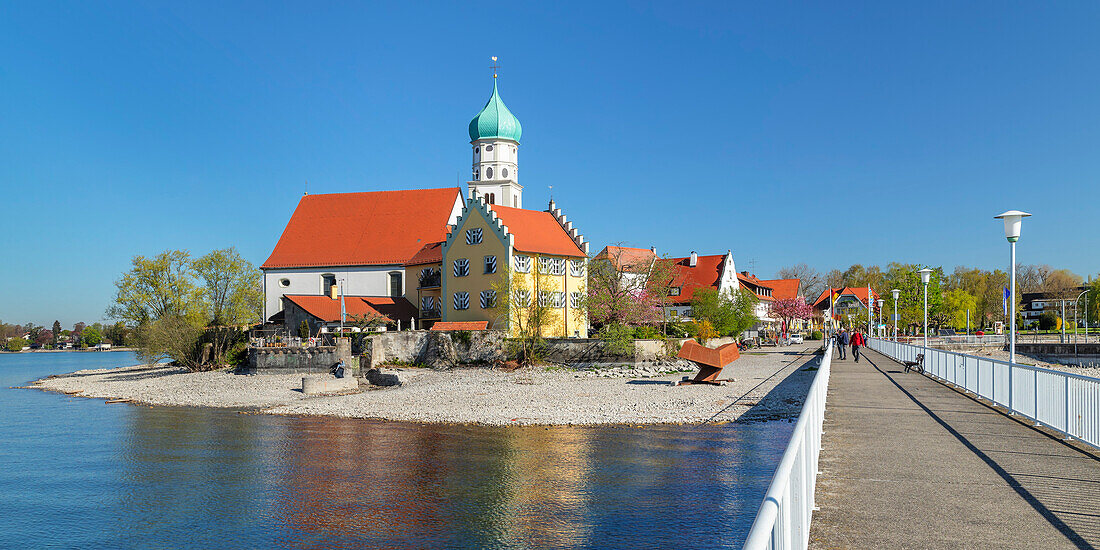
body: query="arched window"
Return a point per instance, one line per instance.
(492, 197)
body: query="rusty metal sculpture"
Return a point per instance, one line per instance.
(710, 361)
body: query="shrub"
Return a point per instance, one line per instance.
(646, 332)
(618, 339)
(16, 344)
(815, 335)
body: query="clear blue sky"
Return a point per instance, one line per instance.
(788, 132)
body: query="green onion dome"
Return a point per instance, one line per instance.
(495, 121)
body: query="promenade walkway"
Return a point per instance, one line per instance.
(907, 462)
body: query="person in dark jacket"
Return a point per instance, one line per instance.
(857, 342)
(842, 339)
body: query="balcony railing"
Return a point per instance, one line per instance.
(430, 281)
(430, 313)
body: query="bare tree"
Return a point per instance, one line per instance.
(810, 281)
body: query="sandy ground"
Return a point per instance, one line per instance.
(770, 384)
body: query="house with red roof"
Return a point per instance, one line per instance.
(694, 272)
(846, 302)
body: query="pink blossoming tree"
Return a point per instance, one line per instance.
(789, 309)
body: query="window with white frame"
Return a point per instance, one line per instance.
(473, 236)
(462, 300)
(523, 264)
(546, 298)
(559, 299)
(576, 268)
(523, 297)
(490, 264)
(488, 299)
(553, 266)
(462, 267)
(575, 300)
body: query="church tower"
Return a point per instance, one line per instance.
(494, 134)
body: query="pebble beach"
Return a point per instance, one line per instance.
(761, 385)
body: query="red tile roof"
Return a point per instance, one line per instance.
(706, 273)
(537, 232)
(720, 357)
(376, 228)
(328, 310)
(783, 289)
(860, 294)
(630, 260)
(431, 253)
(753, 283)
(461, 325)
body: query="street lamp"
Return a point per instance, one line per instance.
(880, 302)
(896, 293)
(1013, 220)
(1075, 321)
(925, 274)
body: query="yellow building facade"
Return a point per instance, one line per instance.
(498, 261)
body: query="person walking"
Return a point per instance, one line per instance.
(857, 342)
(842, 339)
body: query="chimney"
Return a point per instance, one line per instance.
(694, 259)
(653, 249)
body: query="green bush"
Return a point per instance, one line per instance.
(815, 335)
(646, 332)
(618, 339)
(16, 344)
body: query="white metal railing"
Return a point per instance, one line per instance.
(1069, 403)
(783, 520)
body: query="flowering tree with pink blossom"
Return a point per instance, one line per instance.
(788, 309)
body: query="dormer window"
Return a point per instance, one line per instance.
(674, 291)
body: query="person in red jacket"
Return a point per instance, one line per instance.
(857, 342)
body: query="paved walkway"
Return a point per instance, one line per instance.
(907, 462)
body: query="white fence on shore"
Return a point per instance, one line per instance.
(783, 520)
(1068, 403)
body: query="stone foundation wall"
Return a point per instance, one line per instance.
(300, 360)
(586, 351)
(436, 349)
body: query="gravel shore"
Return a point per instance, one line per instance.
(765, 385)
(1029, 360)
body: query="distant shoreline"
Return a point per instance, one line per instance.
(762, 386)
(71, 350)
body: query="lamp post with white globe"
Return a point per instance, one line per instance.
(925, 274)
(1013, 219)
(896, 293)
(878, 331)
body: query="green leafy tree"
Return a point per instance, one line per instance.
(16, 344)
(956, 303)
(303, 329)
(1048, 321)
(56, 332)
(91, 337)
(229, 295)
(155, 288)
(729, 314)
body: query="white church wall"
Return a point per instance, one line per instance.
(358, 281)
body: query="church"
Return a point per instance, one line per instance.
(415, 258)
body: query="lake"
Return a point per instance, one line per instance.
(76, 473)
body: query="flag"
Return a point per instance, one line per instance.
(1004, 302)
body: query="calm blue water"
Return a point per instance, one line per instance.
(76, 473)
